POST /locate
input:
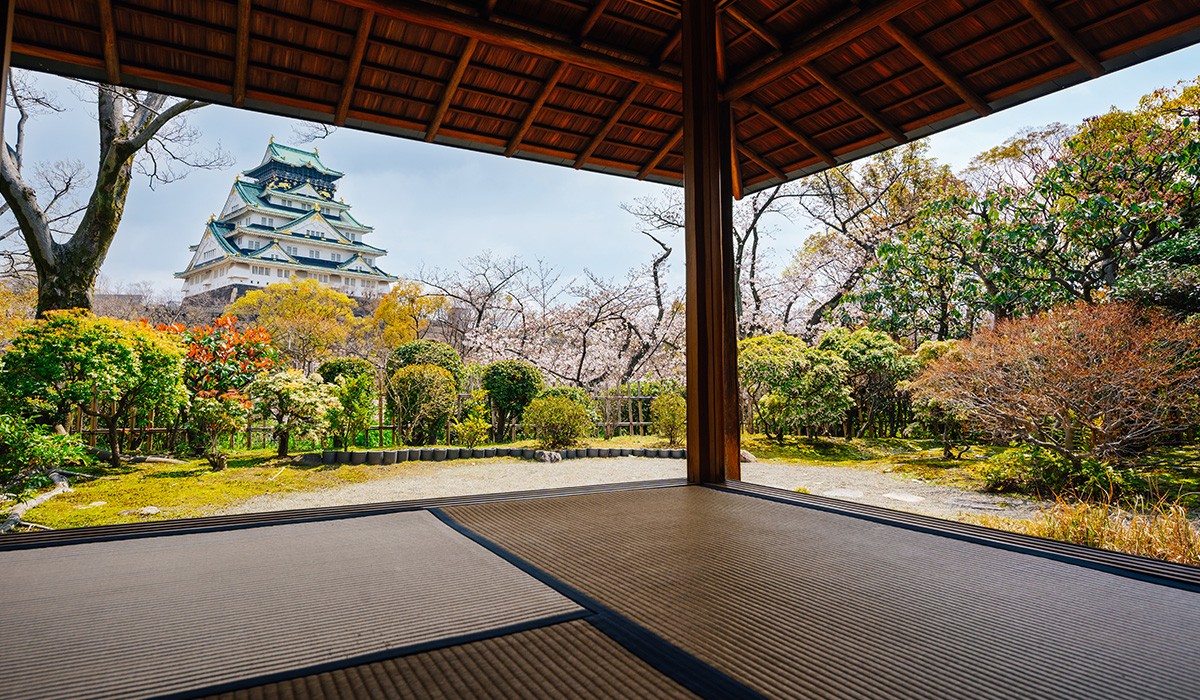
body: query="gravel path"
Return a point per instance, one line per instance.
(467, 477)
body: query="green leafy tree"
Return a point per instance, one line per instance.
(29, 452)
(423, 396)
(355, 394)
(669, 417)
(918, 289)
(766, 365)
(477, 420)
(820, 396)
(216, 416)
(1071, 228)
(298, 405)
(511, 385)
(429, 352)
(937, 416)
(556, 422)
(104, 367)
(331, 370)
(875, 365)
(792, 384)
(1166, 275)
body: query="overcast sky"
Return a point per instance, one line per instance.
(434, 205)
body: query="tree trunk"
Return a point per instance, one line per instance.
(114, 442)
(284, 437)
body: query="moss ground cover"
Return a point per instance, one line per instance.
(192, 489)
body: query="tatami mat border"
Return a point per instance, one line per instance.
(339, 664)
(668, 659)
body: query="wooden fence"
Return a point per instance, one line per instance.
(617, 415)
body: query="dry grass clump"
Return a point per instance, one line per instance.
(1162, 531)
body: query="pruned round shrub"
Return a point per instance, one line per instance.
(428, 352)
(331, 370)
(511, 384)
(556, 422)
(423, 396)
(668, 415)
(577, 395)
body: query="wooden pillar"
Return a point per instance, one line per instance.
(8, 7)
(711, 340)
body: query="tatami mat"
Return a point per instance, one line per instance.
(571, 660)
(165, 615)
(796, 602)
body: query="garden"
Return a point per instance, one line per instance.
(1026, 327)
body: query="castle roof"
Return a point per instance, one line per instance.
(255, 195)
(295, 157)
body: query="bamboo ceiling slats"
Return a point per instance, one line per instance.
(596, 84)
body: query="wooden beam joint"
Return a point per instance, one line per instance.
(609, 123)
(935, 66)
(1064, 37)
(804, 140)
(856, 103)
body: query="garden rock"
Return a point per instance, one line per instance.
(745, 456)
(547, 456)
(148, 510)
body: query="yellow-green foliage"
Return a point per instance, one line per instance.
(669, 417)
(70, 358)
(1162, 531)
(556, 422)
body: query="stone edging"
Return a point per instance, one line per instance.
(440, 454)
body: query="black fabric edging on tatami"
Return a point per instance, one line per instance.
(1118, 563)
(373, 657)
(663, 656)
(220, 523)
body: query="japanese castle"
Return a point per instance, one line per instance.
(281, 221)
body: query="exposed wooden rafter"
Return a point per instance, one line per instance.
(451, 87)
(935, 66)
(108, 35)
(353, 66)
(593, 16)
(543, 93)
(518, 39)
(671, 43)
(661, 153)
(782, 124)
(749, 153)
(735, 165)
(755, 26)
(1064, 37)
(851, 28)
(241, 53)
(607, 127)
(867, 111)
